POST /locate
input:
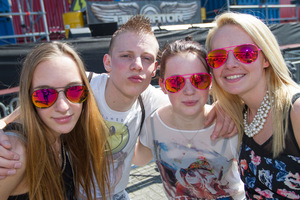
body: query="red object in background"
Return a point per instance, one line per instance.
(54, 10)
(54, 14)
(288, 12)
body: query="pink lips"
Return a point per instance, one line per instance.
(63, 120)
(189, 103)
(135, 79)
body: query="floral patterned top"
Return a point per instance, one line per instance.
(266, 177)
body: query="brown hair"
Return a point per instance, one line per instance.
(86, 143)
(182, 46)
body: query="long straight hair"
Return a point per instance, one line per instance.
(279, 82)
(86, 143)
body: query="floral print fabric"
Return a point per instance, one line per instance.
(268, 178)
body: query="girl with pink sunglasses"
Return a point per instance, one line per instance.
(60, 135)
(252, 83)
(191, 165)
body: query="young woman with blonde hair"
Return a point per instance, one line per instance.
(252, 83)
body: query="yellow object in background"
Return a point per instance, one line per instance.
(203, 13)
(72, 20)
(79, 5)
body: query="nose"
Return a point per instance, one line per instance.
(188, 88)
(62, 104)
(231, 60)
(137, 64)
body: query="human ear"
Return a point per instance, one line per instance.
(161, 84)
(107, 62)
(155, 69)
(266, 62)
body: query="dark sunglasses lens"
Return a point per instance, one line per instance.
(216, 58)
(77, 94)
(201, 81)
(44, 98)
(246, 53)
(174, 83)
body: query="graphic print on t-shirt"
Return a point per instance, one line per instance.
(192, 173)
(117, 136)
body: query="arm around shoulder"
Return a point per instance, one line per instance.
(142, 155)
(15, 184)
(295, 117)
(10, 118)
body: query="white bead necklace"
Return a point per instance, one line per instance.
(259, 119)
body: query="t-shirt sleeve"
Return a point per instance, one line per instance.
(154, 98)
(146, 136)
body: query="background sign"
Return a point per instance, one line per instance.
(159, 12)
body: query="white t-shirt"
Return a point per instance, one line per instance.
(124, 128)
(192, 166)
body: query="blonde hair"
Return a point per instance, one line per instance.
(86, 143)
(278, 79)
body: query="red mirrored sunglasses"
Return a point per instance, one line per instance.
(46, 97)
(245, 53)
(200, 81)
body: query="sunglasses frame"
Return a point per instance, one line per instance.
(232, 50)
(64, 90)
(189, 77)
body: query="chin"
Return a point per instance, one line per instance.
(64, 130)
(234, 91)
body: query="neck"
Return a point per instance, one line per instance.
(117, 100)
(184, 122)
(56, 145)
(254, 102)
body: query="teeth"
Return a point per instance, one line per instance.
(234, 76)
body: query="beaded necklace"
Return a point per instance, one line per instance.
(259, 119)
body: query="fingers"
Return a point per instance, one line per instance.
(7, 154)
(4, 141)
(8, 167)
(8, 162)
(232, 130)
(219, 127)
(225, 126)
(210, 116)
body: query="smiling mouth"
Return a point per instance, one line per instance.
(234, 77)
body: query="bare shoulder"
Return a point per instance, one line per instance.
(15, 184)
(165, 112)
(295, 117)
(18, 144)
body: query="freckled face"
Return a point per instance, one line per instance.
(60, 71)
